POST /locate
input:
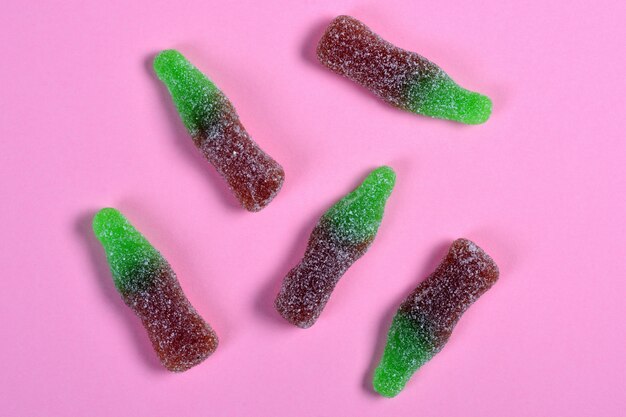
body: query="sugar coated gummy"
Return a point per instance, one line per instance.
(342, 235)
(211, 120)
(401, 78)
(423, 323)
(148, 285)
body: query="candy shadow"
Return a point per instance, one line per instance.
(267, 295)
(185, 144)
(309, 46)
(431, 263)
(105, 281)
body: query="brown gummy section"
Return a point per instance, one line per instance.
(252, 175)
(438, 303)
(307, 287)
(351, 49)
(180, 337)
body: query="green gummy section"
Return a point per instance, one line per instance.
(406, 350)
(196, 98)
(356, 217)
(132, 259)
(439, 96)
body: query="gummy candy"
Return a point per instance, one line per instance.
(402, 78)
(342, 235)
(148, 285)
(211, 120)
(423, 323)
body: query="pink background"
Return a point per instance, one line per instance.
(540, 186)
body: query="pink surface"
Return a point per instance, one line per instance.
(540, 186)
